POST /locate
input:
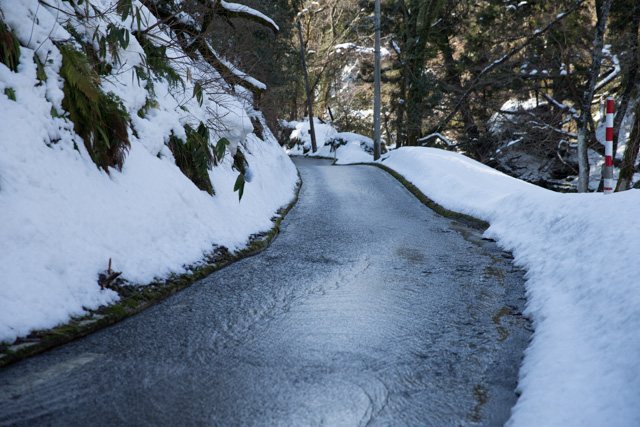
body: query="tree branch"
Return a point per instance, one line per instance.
(504, 59)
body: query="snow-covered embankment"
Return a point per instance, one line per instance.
(62, 219)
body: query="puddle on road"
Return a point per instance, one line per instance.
(412, 255)
(494, 273)
(469, 234)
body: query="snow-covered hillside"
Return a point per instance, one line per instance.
(62, 218)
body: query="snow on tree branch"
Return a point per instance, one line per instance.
(236, 72)
(426, 139)
(506, 57)
(236, 10)
(562, 106)
(616, 70)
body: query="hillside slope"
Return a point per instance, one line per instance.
(144, 187)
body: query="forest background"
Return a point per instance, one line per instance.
(503, 82)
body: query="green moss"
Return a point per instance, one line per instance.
(117, 311)
(68, 329)
(131, 303)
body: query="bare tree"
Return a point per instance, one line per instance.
(587, 98)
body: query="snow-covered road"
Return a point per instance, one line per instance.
(368, 308)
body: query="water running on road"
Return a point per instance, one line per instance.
(368, 309)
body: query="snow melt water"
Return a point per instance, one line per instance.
(582, 367)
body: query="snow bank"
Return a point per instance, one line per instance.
(351, 147)
(582, 367)
(62, 218)
(302, 136)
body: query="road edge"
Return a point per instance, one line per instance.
(137, 298)
(468, 220)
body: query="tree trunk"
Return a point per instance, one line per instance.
(585, 114)
(312, 131)
(626, 93)
(631, 75)
(400, 119)
(455, 84)
(418, 29)
(631, 153)
(627, 168)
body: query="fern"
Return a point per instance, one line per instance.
(78, 73)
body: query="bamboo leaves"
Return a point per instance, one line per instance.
(100, 119)
(9, 48)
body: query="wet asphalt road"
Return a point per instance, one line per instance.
(368, 309)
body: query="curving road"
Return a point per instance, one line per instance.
(368, 309)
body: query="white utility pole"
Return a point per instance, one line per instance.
(376, 91)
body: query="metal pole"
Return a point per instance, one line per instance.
(607, 173)
(312, 131)
(376, 91)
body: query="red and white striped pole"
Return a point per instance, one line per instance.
(607, 173)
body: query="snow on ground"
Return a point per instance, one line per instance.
(582, 367)
(302, 137)
(346, 147)
(62, 218)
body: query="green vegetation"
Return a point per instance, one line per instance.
(155, 61)
(11, 93)
(99, 118)
(194, 156)
(9, 48)
(240, 164)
